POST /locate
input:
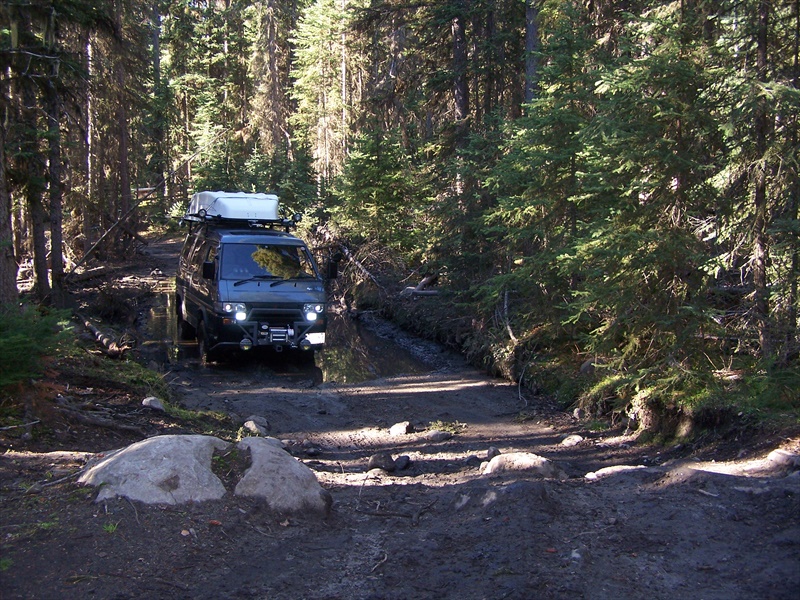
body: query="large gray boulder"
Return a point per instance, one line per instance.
(167, 469)
(524, 461)
(285, 484)
(174, 469)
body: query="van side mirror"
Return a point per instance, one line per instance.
(209, 271)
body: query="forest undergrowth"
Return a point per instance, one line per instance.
(661, 397)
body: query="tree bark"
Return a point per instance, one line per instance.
(86, 162)
(794, 200)
(8, 265)
(111, 346)
(531, 48)
(55, 194)
(460, 91)
(31, 160)
(34, 190)
(122, 123)
(160, 119)
(760, 242)
(460, 83)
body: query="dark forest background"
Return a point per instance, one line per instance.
(611, 183)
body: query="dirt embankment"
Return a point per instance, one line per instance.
(615, 519)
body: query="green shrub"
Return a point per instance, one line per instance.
(27, 335)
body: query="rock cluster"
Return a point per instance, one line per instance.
(175, 469)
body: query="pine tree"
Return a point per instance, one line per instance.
(325, 83)
(378, 195)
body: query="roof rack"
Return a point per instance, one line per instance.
(239, 208)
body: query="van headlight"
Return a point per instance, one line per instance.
(312, 311)
(237, 309)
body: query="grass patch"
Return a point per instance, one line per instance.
(120, 374)
(208, 422)
(554, 377)
(525, 416)
(47, 525)
(230, 465)
(597, 425)
(125, 381)
(140, 381)
(454, 427)
(11, 417)
(110, 528)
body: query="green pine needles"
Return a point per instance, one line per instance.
(27, 335)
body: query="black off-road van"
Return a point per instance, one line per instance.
(244, 281)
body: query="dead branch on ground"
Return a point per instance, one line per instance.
(79, 415)
(326, 235)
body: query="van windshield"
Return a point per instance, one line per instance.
(244, 261)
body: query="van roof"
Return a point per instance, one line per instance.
(238, 206)
(255, 236)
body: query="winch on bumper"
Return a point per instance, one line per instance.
(247, 331)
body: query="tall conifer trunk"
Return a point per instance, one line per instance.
(460, 84)
(760, 251)
(794, 200)
(38, 220)
(55, 193)
(160, 120)
(531, 48)
(460, 92)
(34, 189)
(85, 125)
(8, 266)
(31, 159)
(122, 124)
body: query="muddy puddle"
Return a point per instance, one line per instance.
(354, 352)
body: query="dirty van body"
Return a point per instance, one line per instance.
(244, 283)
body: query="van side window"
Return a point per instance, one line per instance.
(188, 246)
(199, 254)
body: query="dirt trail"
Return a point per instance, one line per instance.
(680, 525)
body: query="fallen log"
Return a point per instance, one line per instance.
(90, 274)
(111, 346)
(421, 288)
(427, 281)
(410, 291)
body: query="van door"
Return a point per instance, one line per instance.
(183, 276)
(201, 292)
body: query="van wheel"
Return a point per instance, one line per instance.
(206, 356)
(185, 330)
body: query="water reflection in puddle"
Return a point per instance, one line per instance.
(353, 352)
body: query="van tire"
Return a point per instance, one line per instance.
(185, 329)
(206, 356)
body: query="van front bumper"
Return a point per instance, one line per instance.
(246, 334)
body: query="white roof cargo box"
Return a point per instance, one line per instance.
(233, 205)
